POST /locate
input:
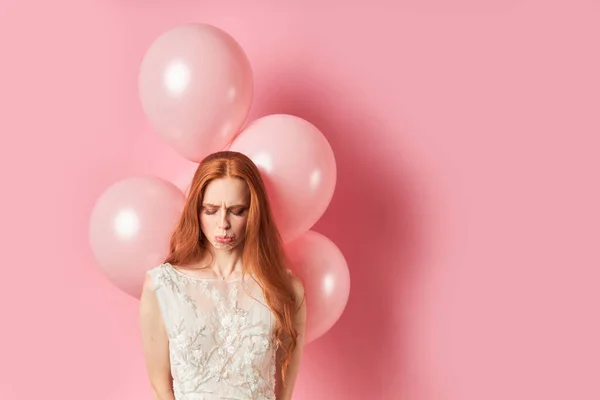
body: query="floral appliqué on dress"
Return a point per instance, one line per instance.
(221, 336)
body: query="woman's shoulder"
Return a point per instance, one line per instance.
(158, 270)
(155, 275)
(297, 286)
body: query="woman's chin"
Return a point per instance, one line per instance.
(224, 246)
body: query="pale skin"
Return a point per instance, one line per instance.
(223, 222)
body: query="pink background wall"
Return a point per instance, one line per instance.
(467, 136)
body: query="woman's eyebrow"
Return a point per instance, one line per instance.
(217, 206)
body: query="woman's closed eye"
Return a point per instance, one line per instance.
(237, 212)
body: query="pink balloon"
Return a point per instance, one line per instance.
(130, 228)
(196, 87)
(298, 166)
(319, 263)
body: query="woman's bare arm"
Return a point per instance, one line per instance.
(284, 392)
(155, 344)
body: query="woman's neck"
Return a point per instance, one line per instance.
(223, 263)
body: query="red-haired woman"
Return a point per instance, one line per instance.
(223, 317)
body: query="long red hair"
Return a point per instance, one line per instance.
(263, 255)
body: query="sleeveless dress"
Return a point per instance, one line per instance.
(221, 336)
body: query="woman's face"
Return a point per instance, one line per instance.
(224, 212)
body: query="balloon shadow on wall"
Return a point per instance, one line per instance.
(374, 220)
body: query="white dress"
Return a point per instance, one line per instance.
(221, 336)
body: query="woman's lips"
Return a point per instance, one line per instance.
(223, 239)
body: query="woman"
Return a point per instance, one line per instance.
(223, 318)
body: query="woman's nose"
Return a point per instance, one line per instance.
(224, 220)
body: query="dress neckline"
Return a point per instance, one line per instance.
(196, 278)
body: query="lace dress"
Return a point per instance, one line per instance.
(221, 336)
